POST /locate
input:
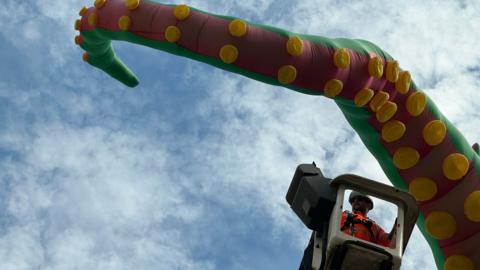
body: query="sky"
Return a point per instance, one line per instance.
(190, 169)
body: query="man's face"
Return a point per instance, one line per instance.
(360, 204)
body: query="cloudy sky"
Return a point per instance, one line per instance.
(190, 169)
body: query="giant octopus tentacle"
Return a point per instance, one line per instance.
(416, 146)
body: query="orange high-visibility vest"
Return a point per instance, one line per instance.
(362, 227)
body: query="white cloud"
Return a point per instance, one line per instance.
(20, 248)
(89, 197)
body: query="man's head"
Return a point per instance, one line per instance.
(360, 202)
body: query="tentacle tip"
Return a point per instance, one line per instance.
(132, 83)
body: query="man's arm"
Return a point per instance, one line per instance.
(343, 220)
(381, 237)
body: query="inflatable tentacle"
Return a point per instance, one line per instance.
(416, 146)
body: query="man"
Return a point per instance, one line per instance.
(357, 224)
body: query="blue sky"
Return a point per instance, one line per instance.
(190, 169)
